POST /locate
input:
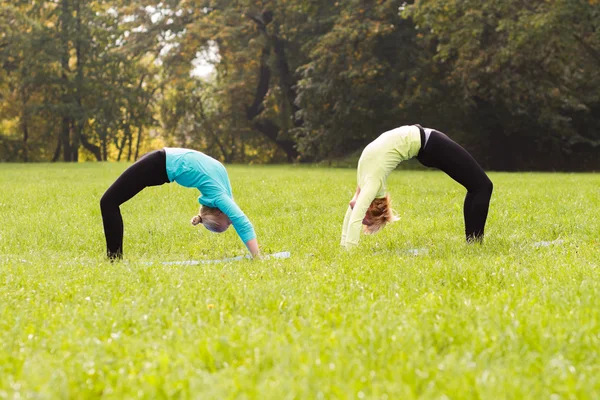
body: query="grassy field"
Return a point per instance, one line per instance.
(518, 317)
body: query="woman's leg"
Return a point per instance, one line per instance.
(150, 170)
(444, 154)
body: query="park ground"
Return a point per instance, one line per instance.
(412, 312)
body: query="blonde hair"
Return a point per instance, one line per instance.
(211, 218)
(380, 213)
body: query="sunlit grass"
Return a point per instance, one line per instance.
(514, 318)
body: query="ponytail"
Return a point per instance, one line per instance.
(212, 218)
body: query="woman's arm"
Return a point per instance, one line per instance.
(347, 216)
(345, 225)
(240, 222)
(252, 245)
(353, 201)
(361, 205)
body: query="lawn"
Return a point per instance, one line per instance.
(413, 312)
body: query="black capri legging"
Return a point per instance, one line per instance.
(150, 170)
(444, 154)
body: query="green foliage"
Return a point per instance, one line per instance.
(355, 82)
(533, 64)
(74, 82)
(508, 319)
(515, 81)
(24, 83)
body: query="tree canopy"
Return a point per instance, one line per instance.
(517, 82)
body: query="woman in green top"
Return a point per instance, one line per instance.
(370, 206)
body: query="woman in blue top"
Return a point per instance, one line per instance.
(189, 168)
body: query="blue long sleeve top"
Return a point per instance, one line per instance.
(194, 169)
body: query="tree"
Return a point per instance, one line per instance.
(24, 66)
(258, 47)
(521, 68)
(356, 82)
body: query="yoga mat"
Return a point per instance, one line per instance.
(412, 252)
(283, 254)
(548, 243)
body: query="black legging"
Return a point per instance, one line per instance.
(150, 170)
(442, 153)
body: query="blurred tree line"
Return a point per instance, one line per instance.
(517, 82)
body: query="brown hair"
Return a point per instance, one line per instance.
(379, 214)
(210, 217)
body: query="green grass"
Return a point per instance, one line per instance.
(503, 320)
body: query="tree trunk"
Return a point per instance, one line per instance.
(78, 120)
(271, 131)
(121, 146)
(130, 145)
(141, 123)
(126, 136)
(104, 149)
(267, 127)
(66, 138)
(25, 138)
(75, 141)
(287, 80)
(92, 148)
(66, 119)
(137, 143)
(56, 155)
(232, 147)
(24, 125)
